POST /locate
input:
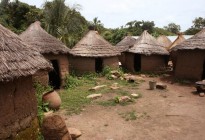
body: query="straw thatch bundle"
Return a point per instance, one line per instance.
(16, 58)
(38, 38)
(126, 43)
(195, 42)
(177, 41)
(147, 45)
(164, 41)
(93, 45)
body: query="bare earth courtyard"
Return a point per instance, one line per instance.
(172, 114)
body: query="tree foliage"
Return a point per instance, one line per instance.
(17, 16)
(172, 27)
(64, 22)
(198, 24)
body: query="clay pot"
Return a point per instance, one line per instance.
(152, 85)
(53, 99)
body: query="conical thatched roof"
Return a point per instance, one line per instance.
(16, 58)
(93, 45)
(195, 42)
(38, 38)
(126, 43)
(164, 41)
(177, 41)
(147, 45)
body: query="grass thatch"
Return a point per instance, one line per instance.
(164, 41)
(93, 45)
(16, 58)
(177, 41)
(126, 43)
(148, 45)
(195, 42)
(38, 38)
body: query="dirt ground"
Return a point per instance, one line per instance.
(174, 114)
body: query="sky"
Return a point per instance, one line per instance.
(116, 13)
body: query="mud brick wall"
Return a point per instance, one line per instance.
(18, 106)
(152, 62)
(129, 62)
(189, 64)
(82, 65)
(111, 62)
(41, 77)
(63, 64)
(122, 59)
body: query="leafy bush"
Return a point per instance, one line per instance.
(107, 72)
(72, 81)
(42, 107)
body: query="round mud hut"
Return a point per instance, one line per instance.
(124, 45)
(164, 41)
(92, 53)
(190, 56)
(52, 49)
(146, 55)
(18, 105)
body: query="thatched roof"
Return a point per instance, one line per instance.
(177, 41)
(164, 41)
(16, 58)
(93, 45)
(147, 45)
(38, 38)
(195, 42)
(126, 43)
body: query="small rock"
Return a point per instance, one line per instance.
(94, 96)
(54, 127)
(97, 87)
(115, 73)
(124, 99)
(134, 95)
(114, 77)
(49, 113)
(142, 75)
(161, 86)
(114, 86)
(75, 133)
(201, 94)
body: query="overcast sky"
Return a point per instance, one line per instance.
(115, 13)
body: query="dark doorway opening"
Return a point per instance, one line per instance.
(54, 75)
(137, 62)
(203, 74)
(98, 65)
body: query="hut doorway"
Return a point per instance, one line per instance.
(137, 62)
(98, 65)
(54, 75)
(203, 74)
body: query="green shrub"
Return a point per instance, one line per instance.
(72, 81)
(42, 107)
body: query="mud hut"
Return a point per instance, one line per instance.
(52, 49)
(164, 41)
(18, 103)
(190, 56)
(92, 53)
(146, 55)
(124, 45)
(173, 55)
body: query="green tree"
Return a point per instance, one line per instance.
(97, 25)
(172, 27)
(17, 16)
(198, 24)
(64, 22)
